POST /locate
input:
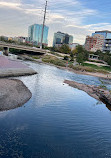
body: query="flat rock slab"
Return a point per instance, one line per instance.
(6, 62)
(16, 72)
(13, 94)
(14, 68)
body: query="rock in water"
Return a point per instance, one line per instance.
(94, 91)
(13, 94)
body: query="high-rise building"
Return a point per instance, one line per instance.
(107, 39)
(62, 38)
(94, 43)
(35, 34)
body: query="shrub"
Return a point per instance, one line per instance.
(36, 57)
(66, 58)
(53, 60)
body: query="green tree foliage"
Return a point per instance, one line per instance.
(80, 58)
(2, 38)
(104, 56)
(72, 56)
(65, 49)
(74, 52)
(81, 54)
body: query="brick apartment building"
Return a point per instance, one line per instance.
(94, 43)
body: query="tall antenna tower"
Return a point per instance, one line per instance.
(43, 25)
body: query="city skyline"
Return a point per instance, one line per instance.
(71, 16)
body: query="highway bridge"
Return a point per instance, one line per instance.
(6, 47)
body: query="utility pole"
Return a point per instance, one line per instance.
(43, 24)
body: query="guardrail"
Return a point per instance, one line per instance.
(21, 47)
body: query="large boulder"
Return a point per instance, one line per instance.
(13, 94)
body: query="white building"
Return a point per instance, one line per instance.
(20, 39)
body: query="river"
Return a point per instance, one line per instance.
(58, 121)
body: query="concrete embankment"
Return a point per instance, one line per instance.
(15, 72)
(13, 94)
(14, 68)
(94, 91)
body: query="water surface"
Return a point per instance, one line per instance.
(58, 122)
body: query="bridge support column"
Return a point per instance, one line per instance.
(6, 51)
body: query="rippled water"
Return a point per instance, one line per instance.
(58, 122)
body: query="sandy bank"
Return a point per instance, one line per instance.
(13, 94)
(94, 91)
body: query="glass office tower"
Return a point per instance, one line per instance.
(35, 33)
(62, 38)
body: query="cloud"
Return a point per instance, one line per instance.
(10, 5)
(63, 15)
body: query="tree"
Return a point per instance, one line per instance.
(65, 49)
(80, 58)
(80, 49)
(85, 54)
(74, 51)
(72, 56)
(98, 52)
(109, 61)
(106, 58)
(81, 54)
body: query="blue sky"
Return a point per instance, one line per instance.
(76, 17)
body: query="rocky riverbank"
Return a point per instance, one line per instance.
(13, 94)
(94, 91)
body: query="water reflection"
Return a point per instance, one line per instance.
(102, 102)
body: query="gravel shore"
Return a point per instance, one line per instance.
(13, 94)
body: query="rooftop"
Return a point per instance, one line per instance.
(64, 33)
(106, 31)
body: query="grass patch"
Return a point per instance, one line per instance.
(56, 54)
(87, 69)
(35, 57)
(53, 60)
(98, 68)
(96, 61)
(62, 63)
(82, 68)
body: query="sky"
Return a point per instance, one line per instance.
(76, 17)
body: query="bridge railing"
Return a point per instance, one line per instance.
(13, 45)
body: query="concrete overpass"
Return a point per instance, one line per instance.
(6, 47)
